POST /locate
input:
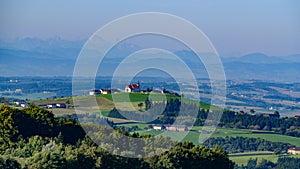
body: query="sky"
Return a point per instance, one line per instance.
(234, 27)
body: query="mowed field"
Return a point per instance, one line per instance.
(196, 137)
(135, 98)
(106, 102)
(243, 159)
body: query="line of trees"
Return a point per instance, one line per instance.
(287, 126)
(282, 163)
(244, 144)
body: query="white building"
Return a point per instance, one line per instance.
(51, 106)
(61, 105)
(94, 92)
(105, 91)
(19, 102)
(294, 150)
(157, 127)
(24, 105)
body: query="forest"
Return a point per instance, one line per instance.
(33, 138)
(282, 163)
(243, 144)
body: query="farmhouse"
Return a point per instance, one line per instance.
(176, 127)
(158, 127)
(171, 127)
(56, 105)
(51, 106)
(294, 150)
(19, 102)
(105, 91)
(94, 92)
(133, 88)
(24, 105)
(61, 105)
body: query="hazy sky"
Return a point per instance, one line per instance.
(235, 27)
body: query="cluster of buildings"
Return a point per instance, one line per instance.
(100, 91)
(128, 89)
(135, 87)
(56, 105)
(294, 150)
(171, 127)
(24, 104)
(21, 103)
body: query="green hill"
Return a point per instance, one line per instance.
(106, 102)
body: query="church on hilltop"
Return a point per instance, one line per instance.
(133, 87)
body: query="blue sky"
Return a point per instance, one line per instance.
(235, 27)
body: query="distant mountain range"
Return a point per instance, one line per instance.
(57, 57)
(263, 67)
(259, 58)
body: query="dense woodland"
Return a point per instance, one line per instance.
(282, 163)
(243, 144)
(286, 126)
(34, 138)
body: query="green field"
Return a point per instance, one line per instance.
(136, 98)
(125, 101)
(243, 159)
(194, 135)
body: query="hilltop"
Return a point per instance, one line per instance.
(106, 103)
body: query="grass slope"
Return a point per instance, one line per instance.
(107, 102)
(194, 135)
(243, 159)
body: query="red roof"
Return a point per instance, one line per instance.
(295, 148)
(106, 90)
(134, 86)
